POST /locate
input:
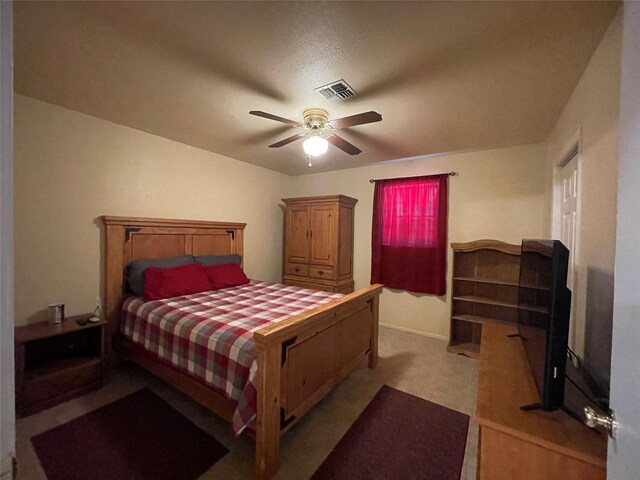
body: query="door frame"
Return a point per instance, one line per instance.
(7, 392)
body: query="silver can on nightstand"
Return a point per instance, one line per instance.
(56, 312)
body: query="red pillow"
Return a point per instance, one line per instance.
(174, 282)
(226, 275)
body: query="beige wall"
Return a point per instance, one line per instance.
(499, 194)
(591, 116)
(70, 168)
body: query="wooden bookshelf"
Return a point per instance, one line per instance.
(485, 290)
(480, 319)
(495, 281)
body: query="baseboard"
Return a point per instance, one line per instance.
(7, 467)
(412, 330)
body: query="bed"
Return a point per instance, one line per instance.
(288, 380)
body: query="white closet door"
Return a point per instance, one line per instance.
(569, 215)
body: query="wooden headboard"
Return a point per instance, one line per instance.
(131, 238)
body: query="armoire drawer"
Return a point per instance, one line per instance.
(321, 272)
(311, 285)
(297, 269)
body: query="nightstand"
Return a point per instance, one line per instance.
(56, 362)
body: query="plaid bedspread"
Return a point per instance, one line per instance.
(209, 335)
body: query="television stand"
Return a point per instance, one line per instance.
(531, 406)
(563, 408)
(521, 445)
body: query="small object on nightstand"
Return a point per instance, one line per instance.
(55, 312)
(94, 319)
(82, 321)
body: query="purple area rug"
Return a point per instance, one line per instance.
(399, 437)
(139, 437)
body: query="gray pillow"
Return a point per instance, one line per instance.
(134, 272)
(209, 260)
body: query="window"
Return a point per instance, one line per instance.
(409, 234)
(410, 213)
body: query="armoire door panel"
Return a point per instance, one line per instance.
(298, 233)
(323, 234)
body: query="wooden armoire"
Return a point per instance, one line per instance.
(318, 250)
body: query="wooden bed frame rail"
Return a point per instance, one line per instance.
(300, 359)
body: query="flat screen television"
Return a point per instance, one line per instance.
(544, 304)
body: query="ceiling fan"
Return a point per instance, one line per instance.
(319, 130)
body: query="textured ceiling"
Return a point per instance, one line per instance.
(446, 76)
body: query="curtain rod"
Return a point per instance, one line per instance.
(452, 174)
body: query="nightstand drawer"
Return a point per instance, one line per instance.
(60, 378)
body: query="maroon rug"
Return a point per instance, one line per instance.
(399, 437)
(139, 437)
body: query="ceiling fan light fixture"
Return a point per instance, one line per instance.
(315, 145)
(320, 130)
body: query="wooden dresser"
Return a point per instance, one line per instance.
(527, 445)
(318, 249)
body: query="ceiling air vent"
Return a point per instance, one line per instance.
(336, 91)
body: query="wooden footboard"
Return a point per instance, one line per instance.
(302, 358)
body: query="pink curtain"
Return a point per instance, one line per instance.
(409, 239)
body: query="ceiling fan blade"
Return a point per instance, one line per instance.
(287, 141)
(269, 116)
(343, 145)
(353, 120)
